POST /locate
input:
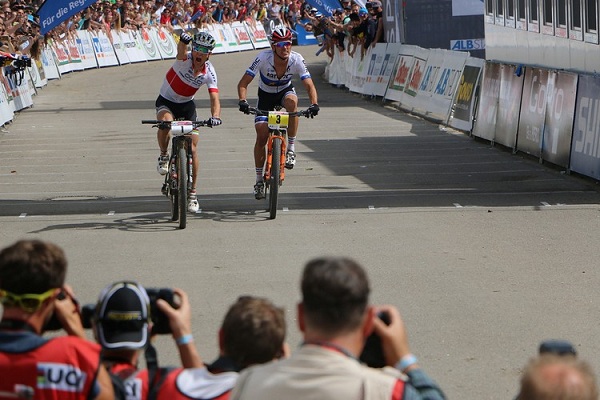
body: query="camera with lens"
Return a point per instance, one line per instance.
(160, 322)
(372, 353)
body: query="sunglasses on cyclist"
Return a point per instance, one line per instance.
(283, 44)
(29, 303)
(200, 49)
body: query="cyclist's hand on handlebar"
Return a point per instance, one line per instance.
(215, 121)
(244, 106)
(185, 38)
(313, 110)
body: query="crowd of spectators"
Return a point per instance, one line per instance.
(362, 27)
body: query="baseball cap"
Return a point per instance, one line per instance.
(363, 11)
(122, 316)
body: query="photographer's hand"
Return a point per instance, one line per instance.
(180, 321)
(394, 338)
(67, 311)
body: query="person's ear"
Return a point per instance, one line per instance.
(221, 340)
(368, 321)
(301, 322)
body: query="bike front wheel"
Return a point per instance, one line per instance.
(182, 186)
(275, 180)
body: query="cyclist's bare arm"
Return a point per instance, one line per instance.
(215, 104)
(311, 90)
(182, 51)
(243, 86)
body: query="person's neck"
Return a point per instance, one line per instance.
(351, 342)
(33, 321)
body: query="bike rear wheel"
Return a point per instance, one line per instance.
(274, 182)
(182, 186)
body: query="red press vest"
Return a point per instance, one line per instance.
(62, 368)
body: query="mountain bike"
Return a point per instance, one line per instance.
(278, 122)
(179, 176)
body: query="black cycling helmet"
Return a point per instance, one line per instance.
(281, 34)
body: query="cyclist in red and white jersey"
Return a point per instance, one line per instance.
(276, 67)
(190, 71)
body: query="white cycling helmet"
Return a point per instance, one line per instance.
(203, 40)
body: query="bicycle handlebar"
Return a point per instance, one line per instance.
(256, 111)
(178, 127)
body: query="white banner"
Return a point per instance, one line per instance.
(86, 50)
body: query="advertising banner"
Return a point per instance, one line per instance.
(446, 84)
(105, 54)
(533, 111)
(585, 149)
(560, 111)
(243, 37)
(463, 108)
(305, 38)
(148, 45)
(165, 42)
(86, 50)
(401, 73)
(485, 120)
(49, 63)
(359, 72)
(257, 32)
(375, 68)
(133, 47)
(509, 106)
(115, 40)
(53, 12)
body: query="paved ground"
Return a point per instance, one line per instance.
(485, 253)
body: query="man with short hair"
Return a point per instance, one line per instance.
(32, 292)
(552, 377)
(335, 319)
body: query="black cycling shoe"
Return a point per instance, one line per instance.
(259, 190)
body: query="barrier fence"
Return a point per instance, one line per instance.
(553, 115)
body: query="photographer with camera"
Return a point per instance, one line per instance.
(124, 320)
(127, 315)
(335, 319)
(32, 292)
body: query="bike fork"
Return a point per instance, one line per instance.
(270, 157)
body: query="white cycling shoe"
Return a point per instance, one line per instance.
(163, 164)
(193, 205)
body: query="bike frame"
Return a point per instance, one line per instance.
(276, 134)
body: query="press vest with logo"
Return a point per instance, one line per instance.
(60, 368)
(176, 384)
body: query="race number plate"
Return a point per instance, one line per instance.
(278, 120)
(179, 128)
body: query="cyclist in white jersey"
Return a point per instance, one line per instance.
(190, 71)
(276, 68)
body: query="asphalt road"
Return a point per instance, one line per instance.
(484, 252)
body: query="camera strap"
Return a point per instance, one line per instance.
(155, 377)
(331, 346)
(16, 325)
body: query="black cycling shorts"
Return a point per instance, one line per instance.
(268, 101)
(180, 111)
